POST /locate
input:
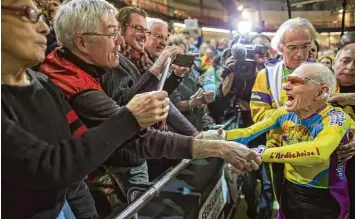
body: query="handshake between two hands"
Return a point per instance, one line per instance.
(152, 107)
(240, 158)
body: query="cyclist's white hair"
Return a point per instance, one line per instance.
(78, 17)
(288, 26)
(151, 21)
(321, 74)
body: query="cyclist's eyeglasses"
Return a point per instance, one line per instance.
(296, 81)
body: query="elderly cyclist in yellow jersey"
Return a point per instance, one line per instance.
(312, 131)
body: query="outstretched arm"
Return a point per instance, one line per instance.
(245, 135)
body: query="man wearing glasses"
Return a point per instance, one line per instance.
(157, 38)
(293, 39)
(134, 73)
(90, 50)
(312, 132)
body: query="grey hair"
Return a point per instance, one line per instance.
(288, 26)
(152, 21)
(178, 39)
(323, 75)
(78, 17)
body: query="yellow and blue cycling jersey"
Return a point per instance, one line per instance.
(308, 148)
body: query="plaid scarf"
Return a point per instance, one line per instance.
(143, 63)
(139, 58)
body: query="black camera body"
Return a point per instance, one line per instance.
(244, 69)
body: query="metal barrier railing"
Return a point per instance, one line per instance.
(152, 192)
(132, 209)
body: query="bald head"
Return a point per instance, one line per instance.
(319, 73)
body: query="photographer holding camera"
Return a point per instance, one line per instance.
(241, 64)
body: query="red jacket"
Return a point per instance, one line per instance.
(67, 76)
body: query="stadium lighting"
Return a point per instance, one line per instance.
(245, 14)
(244, 27)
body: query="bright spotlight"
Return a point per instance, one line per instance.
(245, 14)
(240, 7)
(244, 27)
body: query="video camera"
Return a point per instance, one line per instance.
(255, 49)
(244, 75)
(245, 67)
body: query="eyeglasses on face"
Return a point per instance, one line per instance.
(139, 28)
(33, 15)
(296, 48)
(296, 81)
(114, 34)
(160, 37)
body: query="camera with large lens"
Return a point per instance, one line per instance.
(255, 49)
(244, 67)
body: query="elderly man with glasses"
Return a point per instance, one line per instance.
(293, 39)
(157, 38)
(136, 72)
(312, 131)
(90, 49)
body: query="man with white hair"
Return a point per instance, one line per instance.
(312, 130)
(90, 49)
(157, 37)
(293, 40)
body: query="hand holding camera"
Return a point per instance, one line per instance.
(229, 65)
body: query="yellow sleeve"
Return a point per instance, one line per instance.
(312, 152)
(261, 98)
(245, 135)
